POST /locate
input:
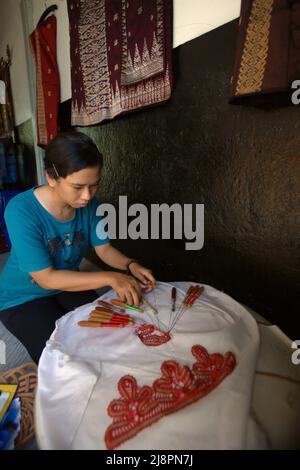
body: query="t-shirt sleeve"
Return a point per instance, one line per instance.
(26, 239)
(98, 232)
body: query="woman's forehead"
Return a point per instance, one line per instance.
(85, 176)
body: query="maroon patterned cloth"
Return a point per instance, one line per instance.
(121, 56)
(142, 41)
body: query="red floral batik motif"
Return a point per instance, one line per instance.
(178, 387)
(152, 336)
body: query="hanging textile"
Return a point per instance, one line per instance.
(267, 53)
(6, 104)
(43, 45)
(143, 48)
(120, 56)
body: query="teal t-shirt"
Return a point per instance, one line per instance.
(39, 240)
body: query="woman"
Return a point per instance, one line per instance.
(50, 227)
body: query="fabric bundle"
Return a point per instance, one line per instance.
(43, 45)
(120, 56)
(268, 52)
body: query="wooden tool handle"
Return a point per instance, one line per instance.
(174, 291)
(120, 303)
(108, 314)
(94, 324)
(95, 316)
(107, 311)
(104, 304)
(110, 306)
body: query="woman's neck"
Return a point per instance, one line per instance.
(53, 203)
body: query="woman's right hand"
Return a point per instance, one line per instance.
(127, 288)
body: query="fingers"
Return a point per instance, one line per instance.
(129, 289)
(136, 298)
(148, 278)
(148, 275)
(131, 292)
(129, 297)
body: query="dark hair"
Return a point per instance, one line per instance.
(69, 152)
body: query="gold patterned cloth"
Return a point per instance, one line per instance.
(267, 57)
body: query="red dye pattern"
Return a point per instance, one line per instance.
(178, 387)
(152, 336)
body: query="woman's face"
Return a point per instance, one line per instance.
(78, 188)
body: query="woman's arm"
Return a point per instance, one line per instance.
(127, 288)
(114, 258)
(63, 279)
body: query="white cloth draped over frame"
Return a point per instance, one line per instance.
(80, 369)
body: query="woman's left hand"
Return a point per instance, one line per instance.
(144, 275)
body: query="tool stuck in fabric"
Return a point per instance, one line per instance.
(191, 296)
(174, 295)
(154, 311)
(147, 304)
(173, 305)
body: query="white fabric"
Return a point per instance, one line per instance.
(275, 403)
(80, 368)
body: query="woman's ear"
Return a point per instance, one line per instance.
(51, 181)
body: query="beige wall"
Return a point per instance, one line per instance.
(191, 19)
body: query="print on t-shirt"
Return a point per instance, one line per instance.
(72, 246)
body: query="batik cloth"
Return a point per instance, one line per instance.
(120, 56)
(268, 52)
(43, 46)
(103, 388)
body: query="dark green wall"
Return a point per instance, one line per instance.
(26, 165)
(242, 163)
